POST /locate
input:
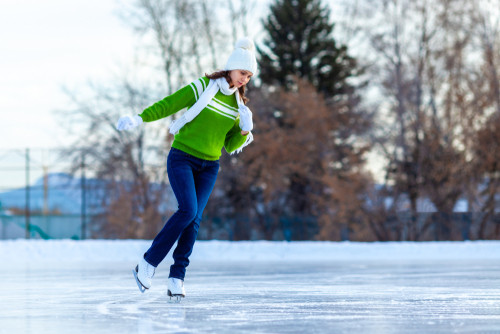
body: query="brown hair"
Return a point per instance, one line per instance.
(225, 74)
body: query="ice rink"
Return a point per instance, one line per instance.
(362, 295)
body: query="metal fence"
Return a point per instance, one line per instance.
(41, 227)
(39, 198)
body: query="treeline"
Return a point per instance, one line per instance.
(411, 86)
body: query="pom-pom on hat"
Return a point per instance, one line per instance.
(243, 56)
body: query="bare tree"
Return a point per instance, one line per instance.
(423, 59)
(487, 21)
(239, 15)
(400, 42)
(133, 184)
(131, 164)
(486, 27)
(209, 31)
(178, 32)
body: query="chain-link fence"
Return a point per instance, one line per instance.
(39, 197)
(44, 194)
(56, 193)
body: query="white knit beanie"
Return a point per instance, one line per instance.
(243, 56)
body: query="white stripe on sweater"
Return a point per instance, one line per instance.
(225, 104)
(199, 88)
(220, 112)
(193, 87)
(203, 83)
(216, 104)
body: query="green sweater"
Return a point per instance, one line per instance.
(215, 127)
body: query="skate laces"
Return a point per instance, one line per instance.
(150, 270)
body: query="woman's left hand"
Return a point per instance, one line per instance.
(246, 123)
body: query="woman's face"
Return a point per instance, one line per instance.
(239, 78)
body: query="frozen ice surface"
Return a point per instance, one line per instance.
(228, 296)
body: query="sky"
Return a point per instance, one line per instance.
(51, 44)
(45, 45)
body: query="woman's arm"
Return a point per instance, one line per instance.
(183, 98)
(235, 137)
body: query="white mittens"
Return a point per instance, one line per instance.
(246, 123)
(128, 122)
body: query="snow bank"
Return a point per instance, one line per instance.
(128, 250)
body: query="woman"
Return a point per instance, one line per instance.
(217, 117)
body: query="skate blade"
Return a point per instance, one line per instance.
(142, 288)
(175, 298)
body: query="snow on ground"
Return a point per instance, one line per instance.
(64, 286)
(129, 250)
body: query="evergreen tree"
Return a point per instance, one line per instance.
(300, 43)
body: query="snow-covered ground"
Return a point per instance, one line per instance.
(128, 250)
(63, 286)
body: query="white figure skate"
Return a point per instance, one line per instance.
(143, 274)
(176, 289)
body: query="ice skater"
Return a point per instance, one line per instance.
(216, 117)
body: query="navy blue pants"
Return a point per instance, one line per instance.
(192, 181)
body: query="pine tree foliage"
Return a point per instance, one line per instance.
(300, 43)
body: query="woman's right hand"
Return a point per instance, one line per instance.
(128, 122)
